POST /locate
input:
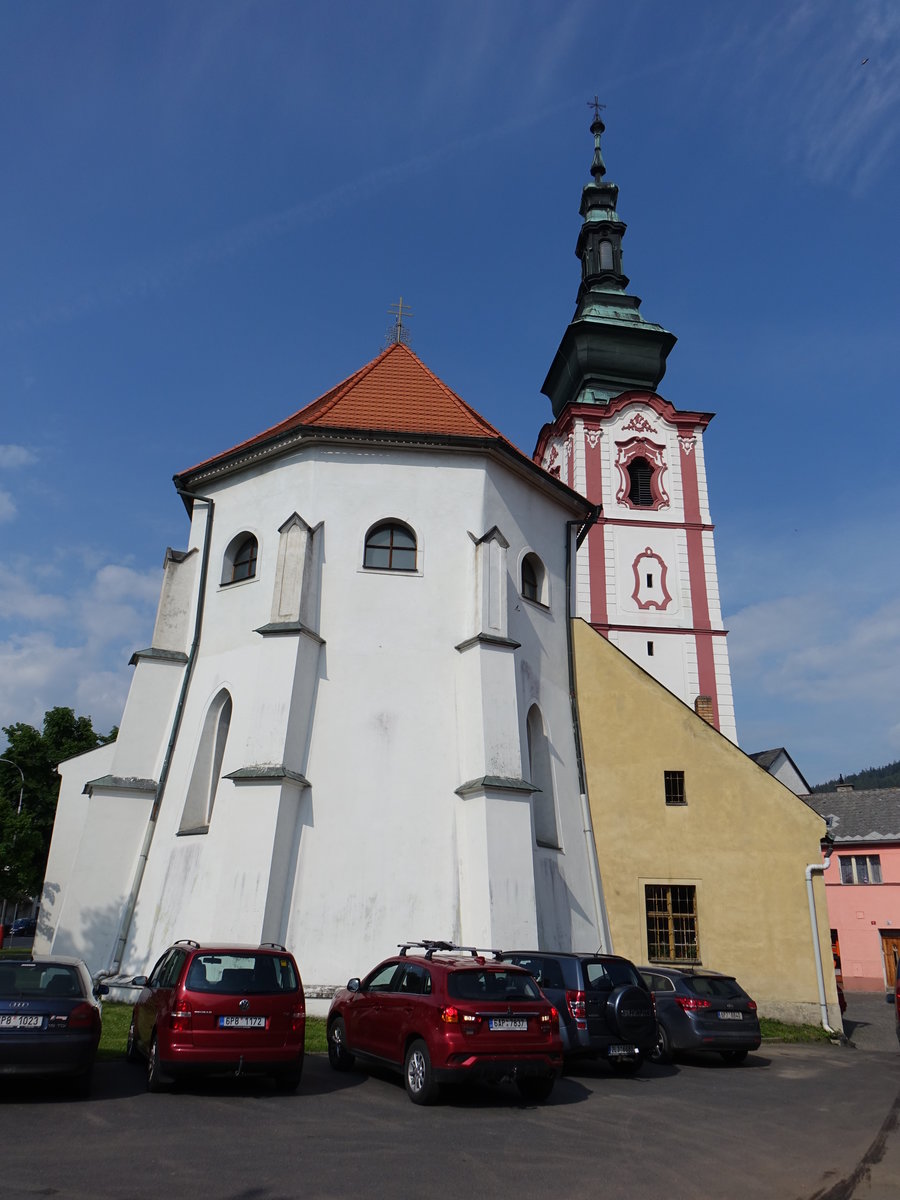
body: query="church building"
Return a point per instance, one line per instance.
(406, 682)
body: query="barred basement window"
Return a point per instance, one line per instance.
(672, 922)
(674, 781)
(860, 868)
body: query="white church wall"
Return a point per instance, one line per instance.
(379, 711)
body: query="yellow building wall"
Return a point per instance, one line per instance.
(743, 839)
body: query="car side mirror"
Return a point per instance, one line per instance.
(139, 981)
(101, 989)
(353, 984)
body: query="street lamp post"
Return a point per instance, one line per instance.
(10, 763)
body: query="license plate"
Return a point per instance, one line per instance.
(731, 1016)
(515, 1024)
(20, 1021)
(242, 1022)
(622, 1051)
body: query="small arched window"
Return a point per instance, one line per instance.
(390, 546)
(640, 491)
(240, 559)
(606, 256)
(533, 579)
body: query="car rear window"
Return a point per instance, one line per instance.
(39, 979)
(229, 974)
(475, 984)
(602, 976)
(706, 985)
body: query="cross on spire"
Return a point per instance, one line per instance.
(596, 106)
(398, 331)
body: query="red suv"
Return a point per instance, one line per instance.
(220, 1010)
(448, 1015)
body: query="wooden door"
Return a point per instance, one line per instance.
(890, 948)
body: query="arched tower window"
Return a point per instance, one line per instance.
(640, 475)
(240, 558)
(390, 546)
(606, 255)
(543, 802)
(201, 793)
(534, 579)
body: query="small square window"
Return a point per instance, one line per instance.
(675, 793)
(649, 579)
(650, 649)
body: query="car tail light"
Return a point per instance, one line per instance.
(298, 1018)
(450, 1015)
(550, 1021)
(751, 1004)
(82, 1016)
(180, 1020)
(691, 1003)
(575, 1001)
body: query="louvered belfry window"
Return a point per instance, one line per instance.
(640, 473)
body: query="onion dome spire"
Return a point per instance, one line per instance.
(608, 348)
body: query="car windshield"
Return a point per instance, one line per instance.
(230, 974)
(604, 976)
(39, 979)
(475, 984)
(713, 985)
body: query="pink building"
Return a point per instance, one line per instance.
(862, 884)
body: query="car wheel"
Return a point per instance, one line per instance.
(338, 1054)
(734, 1057)
(132, 1053)
(662, 1051)
(156, 1080)
(418, 1075)
(535, 1090)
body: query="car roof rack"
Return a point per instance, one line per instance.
(431, 947)
(273, 946)
(187, 942)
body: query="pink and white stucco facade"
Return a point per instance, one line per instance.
(646, 575)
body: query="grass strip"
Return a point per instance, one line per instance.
(117, 1018)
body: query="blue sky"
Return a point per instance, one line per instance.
(208, 208)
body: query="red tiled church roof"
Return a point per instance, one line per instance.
(394, 393)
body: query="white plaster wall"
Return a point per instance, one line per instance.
(377, 855)
(71, 815)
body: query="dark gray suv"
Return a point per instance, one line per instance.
(605, 1007)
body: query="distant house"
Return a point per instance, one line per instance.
(862, 883)
(780, 764)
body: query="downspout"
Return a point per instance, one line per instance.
(602, 920)
(818, 869)
(131, 903)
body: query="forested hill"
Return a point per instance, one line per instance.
(873, 777)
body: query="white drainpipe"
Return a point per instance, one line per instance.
(819, 869)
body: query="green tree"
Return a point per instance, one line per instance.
(25, 836)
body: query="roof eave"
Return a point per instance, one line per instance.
(494, 447)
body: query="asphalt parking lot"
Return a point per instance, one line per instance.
(799, 1122)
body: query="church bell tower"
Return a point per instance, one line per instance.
(646, 574)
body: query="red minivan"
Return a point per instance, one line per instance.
(220, 1009)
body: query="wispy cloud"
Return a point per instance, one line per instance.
(16, 456)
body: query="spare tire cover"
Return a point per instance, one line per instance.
(631, 1016)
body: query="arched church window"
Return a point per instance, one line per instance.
(606, 256)
(534, 579)
(543, 802)
(240, 559)
(640, 491)
(201, 793)
(390, 546)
